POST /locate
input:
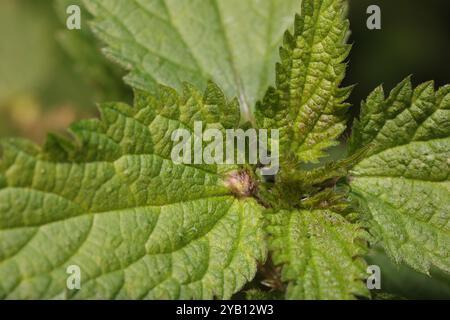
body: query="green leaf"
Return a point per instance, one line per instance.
(114, 204)
(321, 253)
(404, 181)
(307, 104)
(231, 42)
(319, 250)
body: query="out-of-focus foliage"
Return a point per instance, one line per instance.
(413, 40)
(404, 282)
(84, 50)
(41, 88)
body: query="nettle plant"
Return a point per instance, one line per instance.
(112, 202)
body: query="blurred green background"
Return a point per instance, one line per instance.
(50, 77)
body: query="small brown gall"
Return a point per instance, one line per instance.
(241, 183)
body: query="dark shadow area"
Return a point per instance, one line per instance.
(414, 39)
